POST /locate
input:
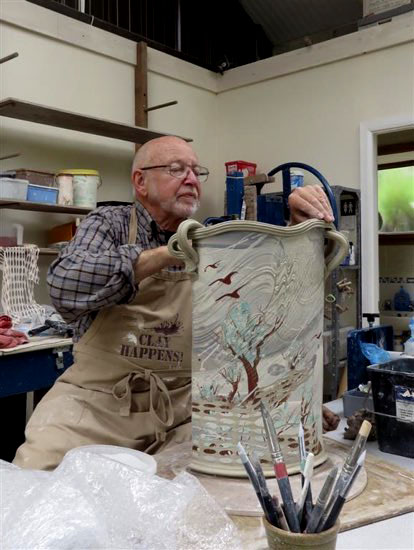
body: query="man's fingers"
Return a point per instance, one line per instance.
(309, 207)
(316, 196)
(325, 202)
(310, 202)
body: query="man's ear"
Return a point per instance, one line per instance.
(139, 184)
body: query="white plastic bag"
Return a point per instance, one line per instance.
(93, 500)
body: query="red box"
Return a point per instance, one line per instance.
(248, 168)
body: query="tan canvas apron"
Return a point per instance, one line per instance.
(130, 383)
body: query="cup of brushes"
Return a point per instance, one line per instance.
(303, 524)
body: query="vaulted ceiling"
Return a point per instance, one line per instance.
(287, 22)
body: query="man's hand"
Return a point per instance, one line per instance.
(309, 202)
(152, 261)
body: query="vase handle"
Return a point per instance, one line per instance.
(180, 245)
(336, 252)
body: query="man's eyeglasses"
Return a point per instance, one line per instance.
(178, 170)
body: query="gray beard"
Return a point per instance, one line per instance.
(180, 210)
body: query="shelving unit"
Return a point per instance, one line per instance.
(32, 112)
(334, 365)
(403, 237)
(43, 207)
(41, 114)
(48, 251)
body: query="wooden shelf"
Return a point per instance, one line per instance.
(48, 251)
(32, 112)
(43, 207)
(403, 237)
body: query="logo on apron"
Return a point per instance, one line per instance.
(155, 343)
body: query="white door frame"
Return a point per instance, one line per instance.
(369, 204)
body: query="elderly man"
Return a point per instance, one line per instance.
(129, 302)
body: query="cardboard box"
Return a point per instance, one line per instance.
(247, 168)
(61, 233)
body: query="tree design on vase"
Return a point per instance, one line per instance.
(243, 336)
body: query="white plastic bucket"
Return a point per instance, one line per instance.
(84, 185)
(64, 182)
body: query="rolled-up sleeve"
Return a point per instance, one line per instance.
(94, 271)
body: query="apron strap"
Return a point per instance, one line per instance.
(160, 408)
(133, 226)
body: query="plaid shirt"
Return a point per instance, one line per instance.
(96, 269)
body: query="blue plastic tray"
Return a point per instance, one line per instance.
(39, 193)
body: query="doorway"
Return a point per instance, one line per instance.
(370, 135)
(396, 232)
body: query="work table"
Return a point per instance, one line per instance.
(395, 533)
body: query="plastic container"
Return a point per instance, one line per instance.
(11, 235)
(279, 539)
(296, 178)
(351, 253)
(393, 393)
(354, 400)
(12, 188)
(234, 194)
(248, 168)
(409, 344)
(65, 184)
(402, 300)
(36, 177)
(40, 193)
(85, 187)
(270, 209)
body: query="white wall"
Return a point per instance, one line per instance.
(314, 115)
(196, 117)
(305, 105)
(65, 64)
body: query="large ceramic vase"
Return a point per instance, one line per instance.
(258, 301)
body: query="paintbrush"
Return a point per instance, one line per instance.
(265, 500)
(280, 514)
(340, 499)
(280, 470)
(264, 491)
(307, 474)
(350, 461)
(302, 458)
(321, 501)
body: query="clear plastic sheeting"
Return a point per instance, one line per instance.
(94, 501)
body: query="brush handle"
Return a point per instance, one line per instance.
(340, 501)
(280, 515)
(309, 500)
(334, 513)
(321, 501)
(265, 499)
(315, 518)
(270, 510)
(289, 504)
